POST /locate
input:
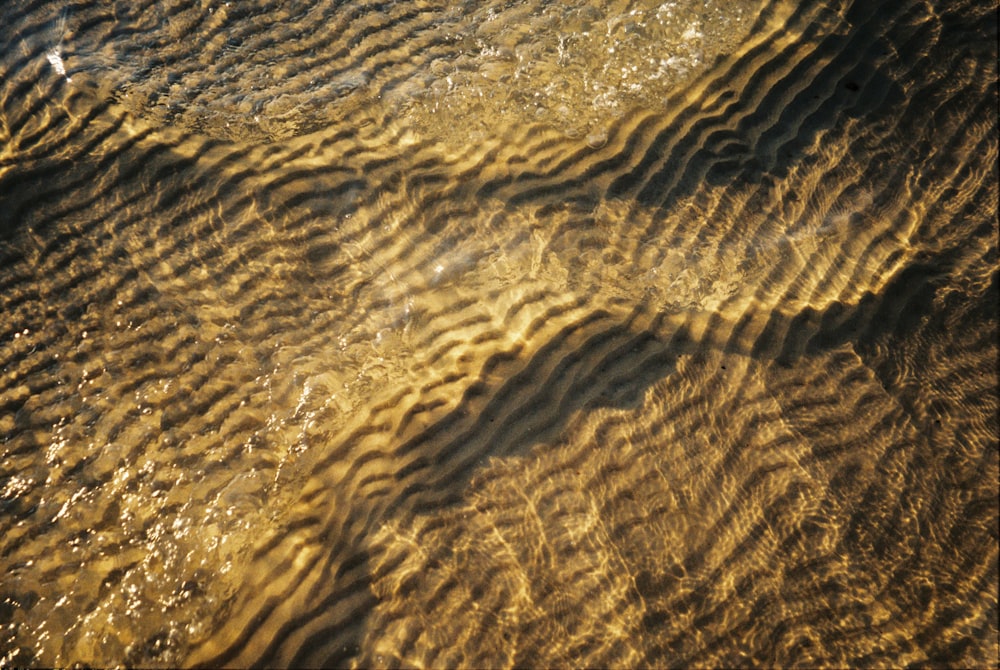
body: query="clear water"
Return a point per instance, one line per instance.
(498, 334)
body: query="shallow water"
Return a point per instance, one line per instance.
(498, 334)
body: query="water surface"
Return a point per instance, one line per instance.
(498, 334)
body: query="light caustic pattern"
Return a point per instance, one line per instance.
(498, 334)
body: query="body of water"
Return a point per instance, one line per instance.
(501, 333)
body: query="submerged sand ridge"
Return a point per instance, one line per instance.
(714, 388)
(266, 72)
